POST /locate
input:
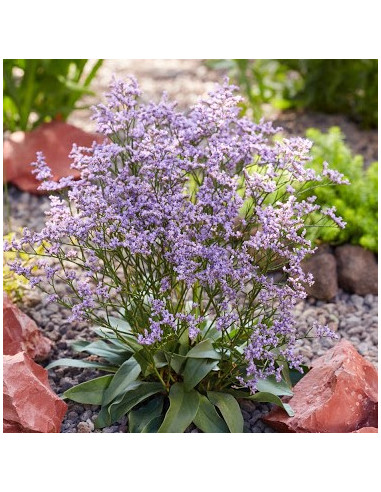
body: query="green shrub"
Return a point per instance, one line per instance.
(357, 203)
(36, 91)
(339, 86)
(329, 86)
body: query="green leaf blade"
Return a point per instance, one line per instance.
(204, 350)
(229, 409)
(126, 374)
(271, 398)
(138, 393)
(195, 370)
(271, 385)
(207, 419)
(141, 418)
(89, 392)
(82, 364)
(182, 410)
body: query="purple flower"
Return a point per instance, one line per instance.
(150, 228)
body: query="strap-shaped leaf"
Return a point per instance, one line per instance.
(140, 418)
(126, 374)
(207, 419)
(132, 397)
(120, 324)
(270, 398)
(103, 349)
(229, 408)
(81, 363)
(203, 350)
(160, 359)
(195, 370)
(89, 392)
(182, 409)
(176, 361)
(271, 385)
(154, 425)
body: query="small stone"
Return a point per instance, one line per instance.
(86, 415)
(368, 300)
(358, 301)
(83, 427)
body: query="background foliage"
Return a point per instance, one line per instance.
(357, 203)
(36, 91)
(329, 86)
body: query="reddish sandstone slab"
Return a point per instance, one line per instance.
(55, 140)
(339, 394)
(20, 333)
(29, 404)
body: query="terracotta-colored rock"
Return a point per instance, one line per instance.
(364, 430)
(20, 333)
(29, 404)
(339, 394)
(55, 140)
(357, 270)
(323, 268)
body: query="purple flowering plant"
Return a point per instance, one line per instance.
(166, 244)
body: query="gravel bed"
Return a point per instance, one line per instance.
(353, 317)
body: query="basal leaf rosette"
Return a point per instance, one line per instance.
(166, 245)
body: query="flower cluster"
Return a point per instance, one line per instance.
(176, 221)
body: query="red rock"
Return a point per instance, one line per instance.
(366, 430)
(357, 270)
(29, 404)
(20, 333)
(55, 140)
(339, 394)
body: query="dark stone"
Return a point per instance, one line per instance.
(323, 269)
(357, 270)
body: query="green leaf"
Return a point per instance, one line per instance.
(143, 362)
(182, 409)
(229, 409)
(81, 363)
(270, 385)
(126, 374)
(103, 349)
(184, 337)
(270, 398)
(120, 324)
(204, 350)
(160, 359)
(176, 361)
(89, 392)
(211, 331)
(135, 394)
(154, 425)
(142, 417)
(296, 376)
(207, 419)
(195, 370)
